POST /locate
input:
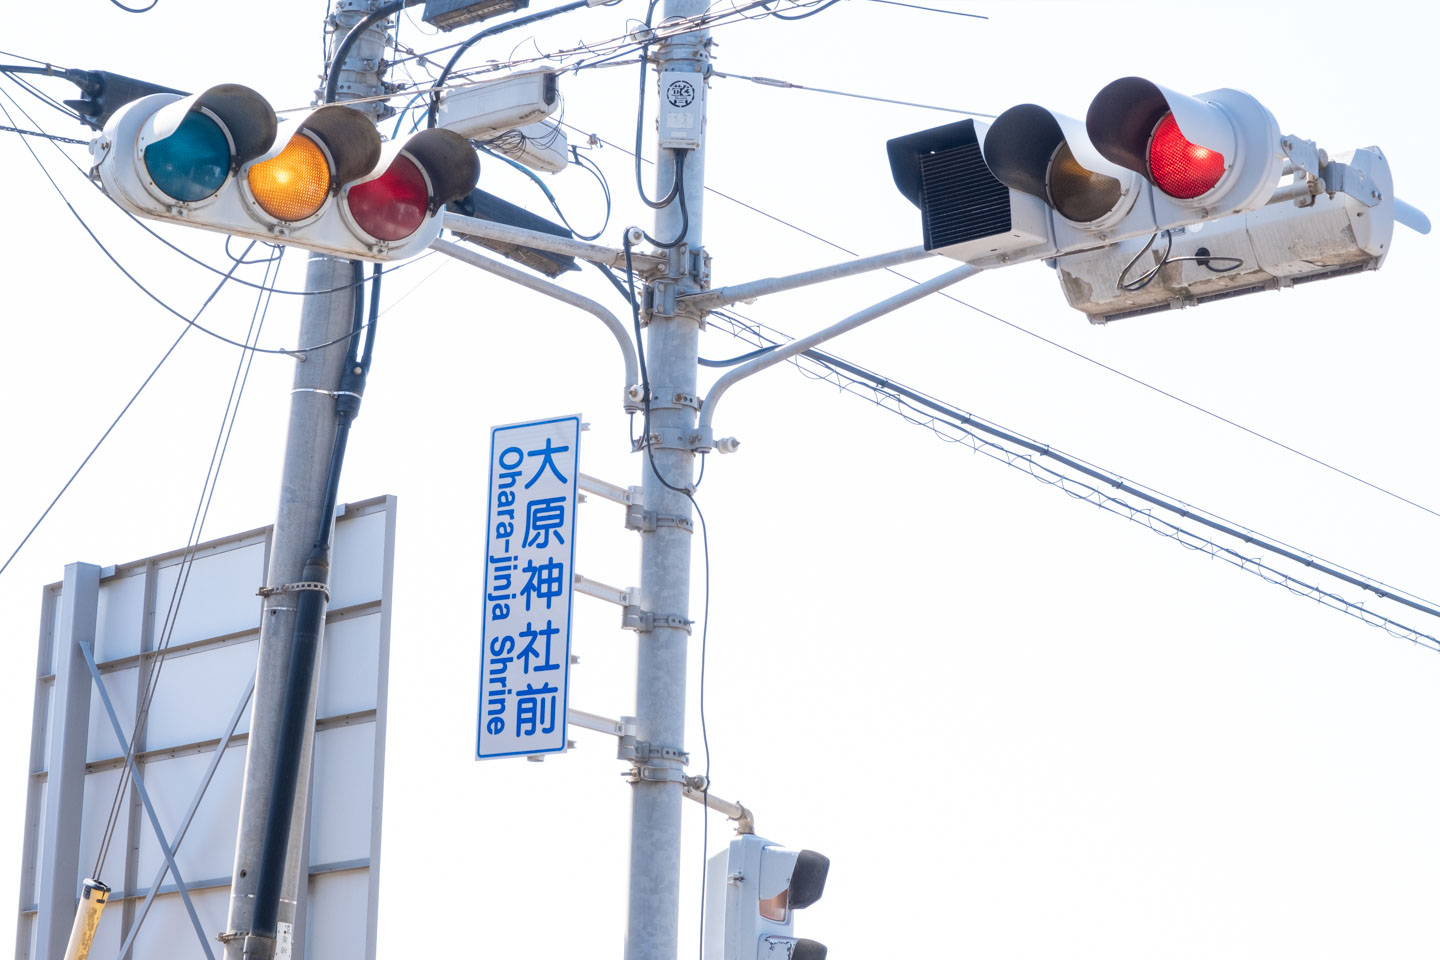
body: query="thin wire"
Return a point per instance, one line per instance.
(704, 729)
(953, 13)
(787, 85)
(135, 9)
(47, 136)
(46, 512)
(967, 423)
(805, 16)
(187, 562)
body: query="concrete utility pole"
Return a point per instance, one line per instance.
(326, 317)
(672, 348)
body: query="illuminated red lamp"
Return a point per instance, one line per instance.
(1180, 168)
(394, 205)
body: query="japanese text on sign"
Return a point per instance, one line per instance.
(525, 643)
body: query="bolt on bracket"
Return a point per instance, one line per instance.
(648, 521)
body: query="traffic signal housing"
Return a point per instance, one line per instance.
(965, 212)
(1210, 155)
(1036, 183)
(216, 160)
(752, 890)
(1277, 246)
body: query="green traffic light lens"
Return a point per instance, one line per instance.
(193, 162)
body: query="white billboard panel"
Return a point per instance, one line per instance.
(201, 648)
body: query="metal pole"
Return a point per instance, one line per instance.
(671, 362)
(309, 441)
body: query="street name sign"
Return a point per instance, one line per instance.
(529, 584)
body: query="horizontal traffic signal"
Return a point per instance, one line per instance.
(220, 160)
(1144, 159)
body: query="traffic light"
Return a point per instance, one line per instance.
(214, 160)
(1207, 156)
(1049, 156)
(1036, 183)
(752, 889)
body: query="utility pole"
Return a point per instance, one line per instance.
(327, 316)
(671, 352)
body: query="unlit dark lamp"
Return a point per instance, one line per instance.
(449, 14)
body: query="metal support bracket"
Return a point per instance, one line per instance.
(660, 296)
(641, 752)
(648, 521)
(1351, 181)
(295, 588)
(643, 621)
(671, 398)
(662, 439)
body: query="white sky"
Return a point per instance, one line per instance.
(1019, 726)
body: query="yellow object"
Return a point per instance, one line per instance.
(93, 896)
(294, 184)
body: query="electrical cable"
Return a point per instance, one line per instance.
(46, 512)
(704, 727)
(135, 9)
(953, 13)
(804, 16)
(787, 85)
(967, 423)
(1143, 281)
(187, 561)
(675, 185)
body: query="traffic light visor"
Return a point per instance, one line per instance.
(1049, 156)
(1160, 133)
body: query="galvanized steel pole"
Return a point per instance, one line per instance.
(671, 363)
(327, 316)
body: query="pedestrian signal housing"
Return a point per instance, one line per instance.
(752, 890)
(220, 160)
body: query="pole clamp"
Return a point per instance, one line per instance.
(670, 398)
(648, 521)
(296, 588)
(687, 439)
(640, 753)
(643, 621)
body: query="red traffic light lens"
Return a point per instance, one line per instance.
(394, 205)
(1178, 167)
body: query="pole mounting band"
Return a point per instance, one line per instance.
(296, 588)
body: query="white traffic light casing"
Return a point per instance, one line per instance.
(1207, 156)
(1277, 246)
(752, 890)
(966, 213)
(1049, 156)
(214, 161)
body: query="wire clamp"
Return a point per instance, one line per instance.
(648, 521)
(643, 621)
(316, 585)
(640, 753)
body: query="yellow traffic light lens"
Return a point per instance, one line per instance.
(294, 184)
(1079, 194)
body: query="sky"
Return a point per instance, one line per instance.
(1018, 725)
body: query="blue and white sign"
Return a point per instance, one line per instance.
(529, 577)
